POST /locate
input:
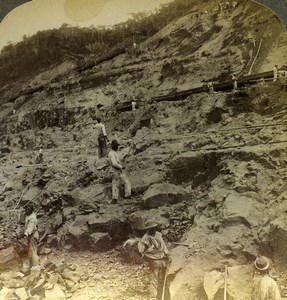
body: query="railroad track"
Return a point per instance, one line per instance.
(224, 86)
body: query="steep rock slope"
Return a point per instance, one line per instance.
(210, 169)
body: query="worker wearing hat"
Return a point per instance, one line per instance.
(264, 287)
(118, 174)
(32, 234)
(102, 137)
(234, 80)
(153, 248)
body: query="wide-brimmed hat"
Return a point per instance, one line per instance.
(262, 263)
(150, 224)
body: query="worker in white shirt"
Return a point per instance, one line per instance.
(39, 157)
(210, 86)
(32, 234)
(134, 104)
(153, 247)
(117, 173)
(234, 80)
(102, 138)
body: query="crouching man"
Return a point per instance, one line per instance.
(152, 247)
(32, 234)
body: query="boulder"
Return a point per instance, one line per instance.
(51, 202)
(278, 238)
(81, 221)
(163, 194)
(218, 190)
(69, 200)
(21, 293)
(43, 180)
(78, 235)
(77, 231)
(137, 222)
(57, 220)
(6, 276)
(158, 214)
(6, 294)
(32, 193)
(70, 275)
(142, 179)
(212, 282)
(100, 241)
(238, 209)
(69, 212)
(14, 283)
(38, 288)
(100, 222)
(8, 259)
(56, 293)
(179, 255)
(90, 196)
(9, 186)
(33, 278)
(250, 252)
(195, 167)
(239, 282)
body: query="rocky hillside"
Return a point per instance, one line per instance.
(210, 169)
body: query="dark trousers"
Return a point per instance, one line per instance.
(158, 270)
(102, 151)
(32, 251)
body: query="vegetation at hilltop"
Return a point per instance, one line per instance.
(51, 47)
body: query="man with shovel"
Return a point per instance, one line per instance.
(152, 247)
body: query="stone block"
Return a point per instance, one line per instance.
(238, 209)
(164, 194)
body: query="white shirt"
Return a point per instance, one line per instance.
(153, 246)
(266, 288)
(31, 226)
(100, 127)
(115, 160)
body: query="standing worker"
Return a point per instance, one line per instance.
(102, 138)
(234, 80)
(264, 286)
(210, 86)
(32, 234)
(39, 157)
(152, 247)
(117, 173)
(134, 104)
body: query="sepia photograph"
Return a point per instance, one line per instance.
(143, 150)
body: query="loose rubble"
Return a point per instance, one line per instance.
(210, 169)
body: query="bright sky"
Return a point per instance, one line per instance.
(38, 15)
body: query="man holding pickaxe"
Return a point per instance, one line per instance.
(152, 247)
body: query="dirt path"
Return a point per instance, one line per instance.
(105, 276)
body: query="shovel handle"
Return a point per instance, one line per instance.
(225, 283)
